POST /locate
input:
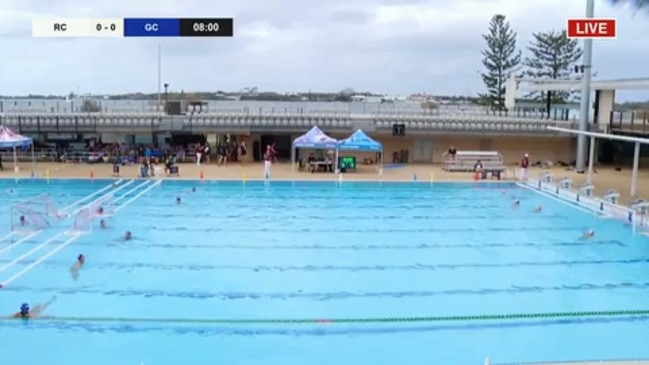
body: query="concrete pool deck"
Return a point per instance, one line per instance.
(604, 179)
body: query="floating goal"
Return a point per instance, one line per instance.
(34, 214)
(103, 207)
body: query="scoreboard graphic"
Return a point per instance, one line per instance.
(134, 27)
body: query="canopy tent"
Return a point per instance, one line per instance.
(9, 139)
(315, 139)
(359, 141)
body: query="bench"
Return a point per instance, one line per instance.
(464, 161)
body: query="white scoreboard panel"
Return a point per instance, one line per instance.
(99, 27)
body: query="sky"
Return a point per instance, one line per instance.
(395, 47)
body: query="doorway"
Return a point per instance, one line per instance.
(283, 144)
(423, 151)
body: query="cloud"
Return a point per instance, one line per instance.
(391, 46)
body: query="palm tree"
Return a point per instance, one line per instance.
(635, 4)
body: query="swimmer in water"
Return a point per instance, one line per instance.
(74, 270)
(178, 200)
(26, 312)
(127, 236)
(516, 204)
(193, 190)
(537, 209)
(100, 210)
(102, 223)
(23, 221)
(587, 235)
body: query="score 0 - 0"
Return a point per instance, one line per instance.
(108, 28)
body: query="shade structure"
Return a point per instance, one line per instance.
(10, 139)
(315, 138)
(361, 142)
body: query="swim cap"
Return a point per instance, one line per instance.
(24, 308)
(80, 256)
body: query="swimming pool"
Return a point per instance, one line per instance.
(317, 251)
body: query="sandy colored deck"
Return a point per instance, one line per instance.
(604, 179)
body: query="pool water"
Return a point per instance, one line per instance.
(320, 251)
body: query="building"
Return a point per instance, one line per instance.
(429, 133)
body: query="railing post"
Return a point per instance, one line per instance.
(621, 119)
(610, 119)
(631, 120)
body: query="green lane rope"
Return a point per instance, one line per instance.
(427, 319)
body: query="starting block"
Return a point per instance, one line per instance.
(611, 196)
(545, 177)
(565, 183)
(640, 205)
(587, 189)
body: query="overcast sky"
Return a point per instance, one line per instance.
(383, 46)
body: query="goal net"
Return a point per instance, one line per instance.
(101, 208)
(34, 214)
(83, 221)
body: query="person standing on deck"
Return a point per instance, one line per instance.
(525, 164)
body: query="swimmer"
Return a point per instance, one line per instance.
(100, 210)
(127, 236)
(102, 223)
(23, 221)
(178, 200)
(193, 190)
(26, 312)
(516, 204)
(74, 270)
(537, 209)
(589, 234)
(81, 259)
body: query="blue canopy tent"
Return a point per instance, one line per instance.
(359, 141)
(9, 139)
(314, 139)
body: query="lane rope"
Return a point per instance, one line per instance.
(424, 319)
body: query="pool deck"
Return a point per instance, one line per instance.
(605, 178)
(614, 362)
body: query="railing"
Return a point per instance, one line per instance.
(79, 122)
(629, 121)
(23, 156)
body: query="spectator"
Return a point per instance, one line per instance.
(525, 164)
(452, 152)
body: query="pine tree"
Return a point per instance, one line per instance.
(635, 4)
(552, 56)
(500, 60)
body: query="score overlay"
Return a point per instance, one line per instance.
(134, 27)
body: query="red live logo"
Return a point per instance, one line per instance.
(592, 28)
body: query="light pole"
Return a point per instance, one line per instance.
(584, 103)
(166, 97)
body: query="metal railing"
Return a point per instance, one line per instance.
(629, 121)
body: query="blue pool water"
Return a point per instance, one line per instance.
(318, 251)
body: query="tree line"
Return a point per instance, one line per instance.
(550, 55)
